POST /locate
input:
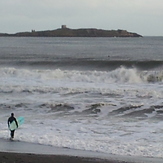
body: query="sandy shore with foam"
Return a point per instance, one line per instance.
(18, 152)
(33, 158)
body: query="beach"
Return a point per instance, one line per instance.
(33, 158)
(23, 152)
(18, 152)
(8, 157)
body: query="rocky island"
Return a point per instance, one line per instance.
(67, 32)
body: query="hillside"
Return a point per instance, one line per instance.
(67, 32)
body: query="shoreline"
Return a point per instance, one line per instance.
(17, 151)
(37, 158)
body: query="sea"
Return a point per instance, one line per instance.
(92, 94)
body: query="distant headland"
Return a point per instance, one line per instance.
(67, 32)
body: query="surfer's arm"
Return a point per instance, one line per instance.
(8, 122)
(16, 123)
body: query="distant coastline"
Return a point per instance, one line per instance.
(67, 32)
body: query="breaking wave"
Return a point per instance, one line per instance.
(119, 75)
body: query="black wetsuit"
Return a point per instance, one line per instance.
(10, 120)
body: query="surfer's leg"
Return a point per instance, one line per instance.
(12, 133)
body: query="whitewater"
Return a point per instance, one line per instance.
(96, 94)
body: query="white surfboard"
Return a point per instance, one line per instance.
(13, 125)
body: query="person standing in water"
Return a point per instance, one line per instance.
(10, 120)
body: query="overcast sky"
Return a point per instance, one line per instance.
(141, 16)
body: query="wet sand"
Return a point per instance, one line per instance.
(22, 152)
(33, 158)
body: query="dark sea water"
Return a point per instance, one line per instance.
(98, 94)
(82, 53)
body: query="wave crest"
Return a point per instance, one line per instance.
(53, 77)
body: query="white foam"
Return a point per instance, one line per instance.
(122, 139)
(120, 75)
(39, 91)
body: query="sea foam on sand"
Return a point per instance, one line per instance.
(37, 149)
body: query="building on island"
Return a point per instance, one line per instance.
(63, 26)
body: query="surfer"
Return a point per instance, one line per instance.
(10, 120)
